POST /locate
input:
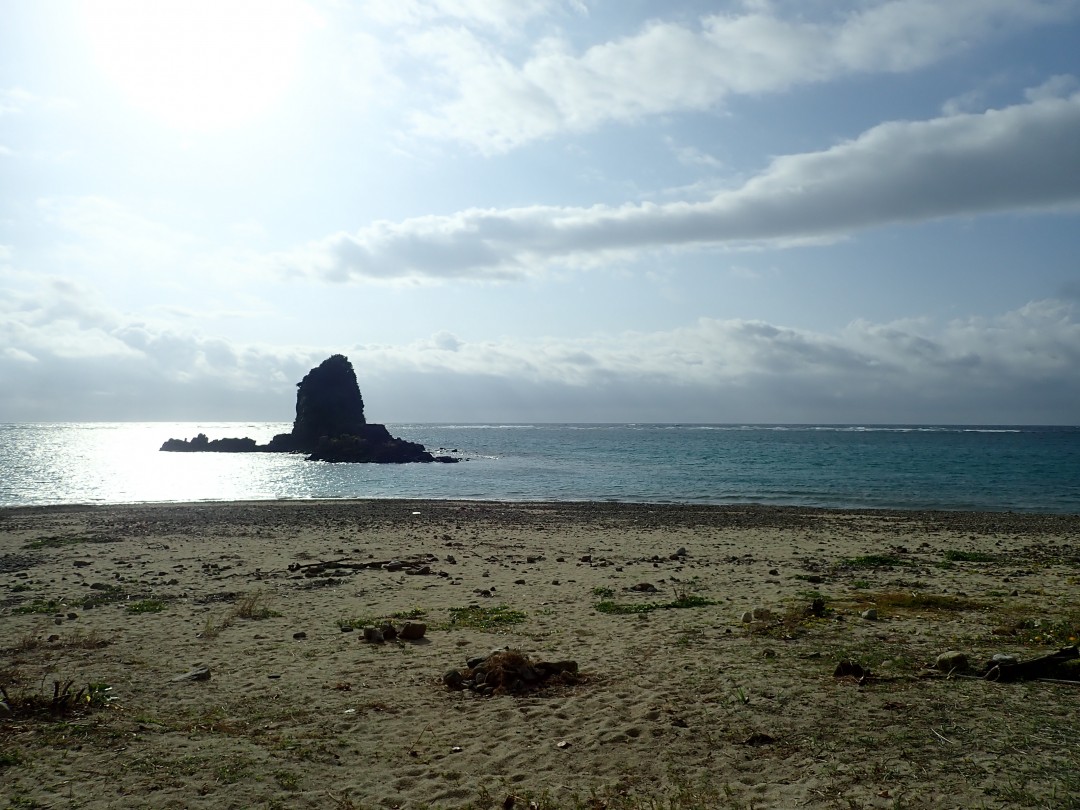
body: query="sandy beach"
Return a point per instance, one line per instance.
(709, 644)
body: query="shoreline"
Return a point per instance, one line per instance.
(680, 700)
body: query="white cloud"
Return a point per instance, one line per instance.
(502, 16)
(670, 67)
(1060, 86)
(899, 172)
(93, 362)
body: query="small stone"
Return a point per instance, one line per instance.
(519, 582)
(412, 631)
(1015, 592)
(870, 614)
(373, 635)
(761, 614)
(747, 617)
(81, 563)
(73, 616)
(757, 738)
(644, 587)
(848, 668)
(951, 661)
(453, 679)
(346, 628)
(299, 635)
(587, 558)
(200, 673)
(774, 572)
(562, 744)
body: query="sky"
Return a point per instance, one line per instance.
(793, 211)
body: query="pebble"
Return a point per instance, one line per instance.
(951, 660)
(412, 631)
(870, 615)
(373, 635)
(200, 673)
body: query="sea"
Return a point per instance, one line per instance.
(985, 468)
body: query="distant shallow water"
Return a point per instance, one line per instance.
(983, 467)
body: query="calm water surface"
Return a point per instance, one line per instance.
(913, 467)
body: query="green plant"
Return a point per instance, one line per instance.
(681, 601)
(10, 758)
(41, 606)
(480, 618)
(147, 606)
(873, 561)
(954, 555)
(254, 605)
(64, 701)
(603, 593)
(287, 780)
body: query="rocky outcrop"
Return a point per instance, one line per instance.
(328, 402)
(329, 426)
(202, 444)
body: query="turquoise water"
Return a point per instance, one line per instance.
(908, 467)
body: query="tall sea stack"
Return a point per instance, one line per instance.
(329, 425)
(328, 402)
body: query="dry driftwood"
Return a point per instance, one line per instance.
(1045, 667)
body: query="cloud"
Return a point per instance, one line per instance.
(670, 67)
(502, 16)
(1004, 160)
(70, 357)
(1059, 86)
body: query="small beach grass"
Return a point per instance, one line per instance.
(681, 601)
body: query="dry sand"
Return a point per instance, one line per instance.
(680, 708)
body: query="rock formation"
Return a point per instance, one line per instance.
(329, 426)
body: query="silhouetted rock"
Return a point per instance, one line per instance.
(329, 426)
(202, 444)
(328, 402)
(370, 443)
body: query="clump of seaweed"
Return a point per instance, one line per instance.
(510, 672)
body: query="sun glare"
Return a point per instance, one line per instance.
(199, 65)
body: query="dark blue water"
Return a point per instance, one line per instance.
(993, 468)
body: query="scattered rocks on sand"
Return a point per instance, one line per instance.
(410, 631)
(758, 614)
(509, 672)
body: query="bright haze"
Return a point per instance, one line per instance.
(542, 210)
